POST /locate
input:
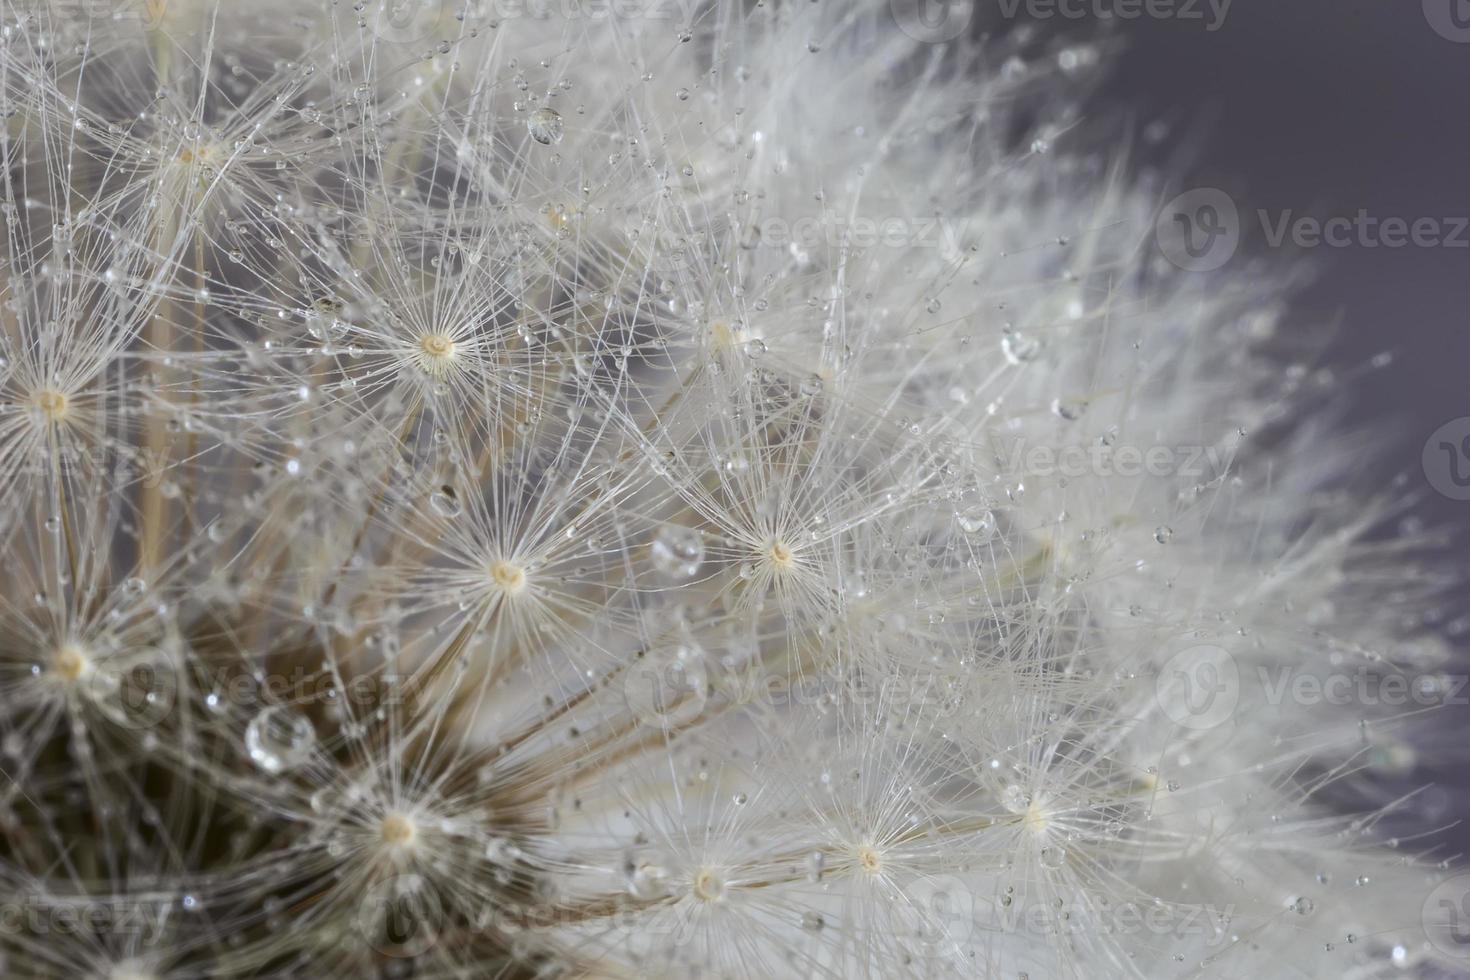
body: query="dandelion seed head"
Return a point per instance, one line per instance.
(399, 831)
(438, 353)
(71, 663)
(709, 885)
(508, 577)
(780, 554)
(524, 497)
(131, 970)
(53, 405)
(869, 858)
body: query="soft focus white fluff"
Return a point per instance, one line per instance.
(450, 532)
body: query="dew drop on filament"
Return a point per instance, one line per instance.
(445, 502)
(1019, 349)
(279, 738)
(677, 552)
(546, 126)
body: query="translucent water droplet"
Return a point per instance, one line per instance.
(677, 552)
(975, 520)
(279, 738)
(811, 386)
(1071, 411)
(1015, 799)
(1019, 349)
(816, 863)
(646, 882)
(755, 349)
(1163, 533)
(1052, 858)
(546, 126)
(445, 502)
(1303, 906)
(323, 799)
(686, 668)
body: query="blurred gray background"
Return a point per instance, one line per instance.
(1326, 108)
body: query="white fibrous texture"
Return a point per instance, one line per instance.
(670, 490)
